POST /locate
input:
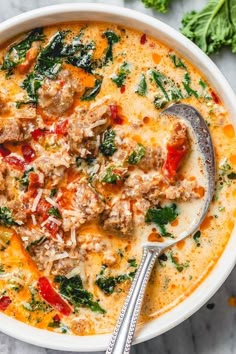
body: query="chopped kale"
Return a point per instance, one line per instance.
(40, 241)
(137, 155)
(53, 192)
(202, 84)
(111, 177)
(179, 266)
(107, 146)
(108, 284)
(132, 262)
(6, 218)
(55, 212)
(91, 92)
(31, 84)
(17, 53)
(159, 102)
(112, 38)
(196, 237)
(120, 78)
(72, 289)
(24, 180)
(85, 58)
(187, 85)
(36, 304)
(161, 217)
(142, 86)
(178, 63)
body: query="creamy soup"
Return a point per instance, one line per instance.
(90, 170)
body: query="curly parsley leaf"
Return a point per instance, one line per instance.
(161, 217)
(72, 289)
(158, 5)
(213, 26)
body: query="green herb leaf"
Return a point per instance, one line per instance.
(111, 177)
(137, 155)
(188, 89)
(112, 38)
(232, 175)
(107, 146)
(17, 53)
(179, 266)
(36, 304)
(158, 5)
(91, 92)
(196, 237)
(120, 78)
(142, 86)
(73, 291)
(53, 192)
(109, 283)
(24, 180)
(132, 262)
(161, 217)
(213, 26)
(40, 241)
(55, 212)
(6, 218)
(178, 63)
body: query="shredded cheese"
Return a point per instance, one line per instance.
(36, 200)
(52, 202)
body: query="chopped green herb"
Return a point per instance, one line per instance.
(40, 241)
(232, 175)
(6, 218)
(17, 53)
(91, 92)
(159, 102)
(36, 304)
(2, 268)
(132, 262)
(137, 155)
(55, 212)
(202, 84)
(53, 192)
(108, 284)
(179, 266)
(161, 217)
(112, 38)
(111, 177)
(24, 180)
(178, 63)
(55, 323)
(187, 86)
(162, 258)
(196, 237)
(107, 146)
(120, 78)
(72, 289)
(142, 86)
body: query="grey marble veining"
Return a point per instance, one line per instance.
(207, 331)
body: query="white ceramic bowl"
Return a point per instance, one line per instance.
(94, 12)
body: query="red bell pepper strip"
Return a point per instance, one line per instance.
(28, 153)
(175, 155)
(4, 151)
(50, 295)
(4, 302)
(15, 162)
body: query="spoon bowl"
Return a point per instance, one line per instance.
(122, 337)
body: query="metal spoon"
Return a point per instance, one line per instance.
(122, 337)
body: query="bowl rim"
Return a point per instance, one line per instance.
(227, 260)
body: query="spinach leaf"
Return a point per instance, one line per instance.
(137, 155)
(91, 92)
(6, 218)
(212, 27)
(108, 283)
(161, 217)
(178, 63)
(158, 5)
(107, 146)
(17, 53)
(112, 38)
(120, 78)
(188, 89)
(55, 212)
(72, 289)
(142, 86)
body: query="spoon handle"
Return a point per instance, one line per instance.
(121, 339)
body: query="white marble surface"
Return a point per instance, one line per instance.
(208, 331)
